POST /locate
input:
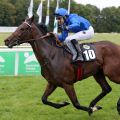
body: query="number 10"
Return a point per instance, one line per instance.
(89, 54)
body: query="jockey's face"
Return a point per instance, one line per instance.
(60, 20)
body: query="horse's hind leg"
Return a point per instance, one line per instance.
(100, 78)
(50, 88)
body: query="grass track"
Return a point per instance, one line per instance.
(20, 99)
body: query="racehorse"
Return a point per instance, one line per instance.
(57, 69)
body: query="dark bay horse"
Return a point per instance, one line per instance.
(56, 65)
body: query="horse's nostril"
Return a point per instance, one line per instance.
(6, 42)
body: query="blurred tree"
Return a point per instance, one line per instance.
(109, 20)
(21, 10)
(13, 12)
(7, 13)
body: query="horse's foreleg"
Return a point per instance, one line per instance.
(50, 88)
(100, 78)
(69, 89)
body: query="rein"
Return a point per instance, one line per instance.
(32, 40)
(58, 43)
(45, 36)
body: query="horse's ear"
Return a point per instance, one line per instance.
(31, 19)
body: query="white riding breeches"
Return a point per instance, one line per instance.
(82, 35)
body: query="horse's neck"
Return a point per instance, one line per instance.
(41, 48)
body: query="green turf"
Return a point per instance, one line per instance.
(20, 99)
(114, 37)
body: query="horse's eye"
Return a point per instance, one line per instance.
(22, 29)
(27, 28)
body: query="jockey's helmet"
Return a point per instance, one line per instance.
(61, 12)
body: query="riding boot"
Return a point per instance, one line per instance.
(78, 49)
(72, 49)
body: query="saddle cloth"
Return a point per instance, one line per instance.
(88, 52)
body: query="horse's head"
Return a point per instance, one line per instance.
(23, 32)
(28, 32)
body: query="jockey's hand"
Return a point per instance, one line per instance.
(56, 38)
(58, 43)
(50, 34)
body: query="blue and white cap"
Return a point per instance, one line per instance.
(61, 12)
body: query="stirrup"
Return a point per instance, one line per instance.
(77, 59)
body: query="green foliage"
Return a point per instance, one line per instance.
(109, 20)
(13, 12)
(7, 14)
(21, 10)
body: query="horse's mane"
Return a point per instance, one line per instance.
(43, 28)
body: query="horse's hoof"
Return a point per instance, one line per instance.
(66, 103)
(98, 107)
(95, 108)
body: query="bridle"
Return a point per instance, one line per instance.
(32, 40)
(19, 40)
(27, 24)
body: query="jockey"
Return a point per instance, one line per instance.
(81, 28)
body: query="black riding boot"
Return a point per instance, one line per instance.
(79, 52)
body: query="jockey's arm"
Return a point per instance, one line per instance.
(63, 35)
(57, 40)
(54, 35)
(75, 25)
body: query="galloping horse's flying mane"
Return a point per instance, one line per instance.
(52, 37)
(58, 70)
